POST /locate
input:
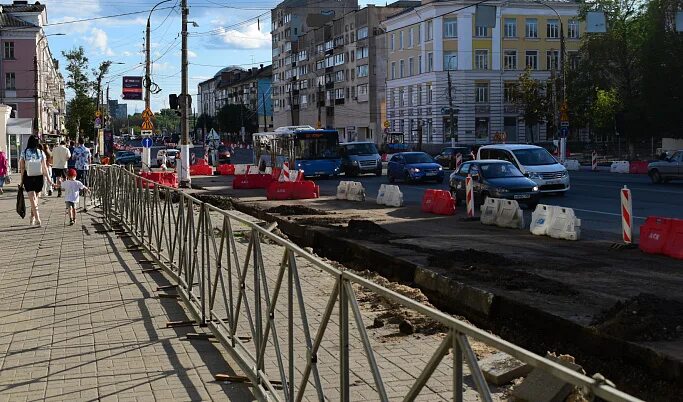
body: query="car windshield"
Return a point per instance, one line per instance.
(317, 148)
(418, 158)
(172, 152)
(534, 157)
(125, 153)
(498, 170)
(360, 149)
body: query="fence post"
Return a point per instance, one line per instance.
(343, 343)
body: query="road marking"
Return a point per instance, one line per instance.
(605, 213)
(632, 188)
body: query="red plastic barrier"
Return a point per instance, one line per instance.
(443, 203)
(305, 189)
(638, 167)
(674, 242)
(276, 173)
(428, 200)
(201, 170)
(654, 234)
(200, 162)
(169, 179)
(225, 169)
(280, 190)
(247, 181)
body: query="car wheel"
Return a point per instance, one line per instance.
(378, 172)
(406, 177)
(656, 177)
(456, 200)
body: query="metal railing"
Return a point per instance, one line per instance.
(255, 303)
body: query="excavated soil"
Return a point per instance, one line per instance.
(215, 200)
(645, 317)
(288, 210)
(364, 228)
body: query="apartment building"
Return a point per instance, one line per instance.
(424, 43)
(22, 41)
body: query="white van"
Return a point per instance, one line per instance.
(535, 162)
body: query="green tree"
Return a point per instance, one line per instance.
(231, 117)
(531, 96)
(604, 110)
(204, 121)
(167, 120)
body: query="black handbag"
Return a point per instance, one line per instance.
(21, 205)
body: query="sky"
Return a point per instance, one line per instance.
(229, 32)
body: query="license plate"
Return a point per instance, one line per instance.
(431, 173)
(554, 182)
(520, 196)
(320, 173)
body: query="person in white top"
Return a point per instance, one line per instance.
(60, 161)
(72, 188)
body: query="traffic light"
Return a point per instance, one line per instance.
(173, 101)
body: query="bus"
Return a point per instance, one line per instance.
(314, 151)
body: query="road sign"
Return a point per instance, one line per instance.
(564, 113)
(147, 125)
(146, 132)
(386, 130)
(564, 132)
(98, 113)
(132, 88)
(147, 142)
(387, 124)
(147, 113)
(98, 123)
(564, 124)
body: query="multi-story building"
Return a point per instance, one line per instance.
(23, 44)
(485, 62)
(117, 110)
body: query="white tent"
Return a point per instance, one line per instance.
(18, 131)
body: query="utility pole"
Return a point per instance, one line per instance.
(450, 104)
(419, 135)
(35, 96)
(184, 165)
(320, 102)
(265, 117)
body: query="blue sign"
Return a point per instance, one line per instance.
(147, 142)
(564, 132)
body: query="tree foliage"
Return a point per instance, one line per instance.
(533, 97)
(231, 117)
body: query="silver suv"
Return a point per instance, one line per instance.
(670, 168)
(360, 157)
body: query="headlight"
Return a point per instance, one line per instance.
(440, 168)
(414, 170)
(565, 173)
(354, 163)
(535, 188)
(534, 175)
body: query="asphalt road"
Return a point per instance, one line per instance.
(594, 196)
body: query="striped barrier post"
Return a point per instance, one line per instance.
(473, 156)
(284, 176)
(594, 161)
(626, 215)
(458, 160)
(469, 196)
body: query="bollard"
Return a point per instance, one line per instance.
(594, 161)
(626, 215)
(284, 175)
(473, 156)
(469, 196)
(458, 160)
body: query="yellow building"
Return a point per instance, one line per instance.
(424, 43)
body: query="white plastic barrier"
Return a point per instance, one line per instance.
(509, 215)
(619, 167)
(540, 219)
(572, 164)
(390, 195)
(355, 191)
(342, 190)
(489, 211)
(564, 224)
(242, 169)
(382, 195)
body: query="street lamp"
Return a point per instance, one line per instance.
(36, 82)
(148, 80)
(450, 101)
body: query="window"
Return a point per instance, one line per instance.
(362, 52)
(481, 59)
(320, 64)
(481, 131)
(510, 59)
(411, 66)
(481, 32)
(339, 41)
(362, 90)
(419, 64)
(510, 90)
(362, 33)
(303, 100)
(393, 70)
(450, 28)
(552, 58)
(392, 38)
(573, 29)
(10, 81)
(410, 96)
(430, 94)
(9, 50)
(362, 71)
(411, 31)
(402, 69)
(573, 58)
(481, 94)
(450, 61)
(429, 31)
(339, 59)
(418, 95)
(329, 61)
(553, 29)
(339, 93)
(339, 76)
(510, 27)
(531, 28)
(400, 97)
(430, 62)
(400, 40)
(419, 35)
(532, 59)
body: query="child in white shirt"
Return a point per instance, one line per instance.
(71, 189)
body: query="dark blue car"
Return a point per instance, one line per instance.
(414, 166)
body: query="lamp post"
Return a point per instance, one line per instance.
(148, 80)
(450, 102)
(36, 82)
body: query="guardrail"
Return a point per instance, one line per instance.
(216, 259)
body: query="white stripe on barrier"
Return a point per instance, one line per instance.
(626, 215)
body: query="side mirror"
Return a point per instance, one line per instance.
(475, 177)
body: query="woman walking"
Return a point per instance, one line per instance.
(47, 188)
(4, 169)
(33, 171)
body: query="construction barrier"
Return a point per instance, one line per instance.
(169, 179)
(201, 162)
(305, 189)
(350, 190)
(509, 215)
(244, 169)
(594, 161)
(250, 181)
(540, 220)
(444, 204)
(619, 167)
(225, 169)
(390, 195)
(489, 211)
(564, 224)
(428, 200)
(201, 170)
(674, 245)
(654, 234)
(469, 196)
(292, 190)
(638, 167)
(572, 164)
(458, 161)
(626, 215)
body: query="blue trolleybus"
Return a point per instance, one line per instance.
(314, 151)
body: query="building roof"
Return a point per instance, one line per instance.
(19, 7)
(7, 21)
(226, 69)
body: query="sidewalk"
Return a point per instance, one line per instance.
(80, 321)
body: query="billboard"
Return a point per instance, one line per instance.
(132, 88)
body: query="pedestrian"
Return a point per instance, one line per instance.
(33, 171)
(60, 161)
(72, 162)
(83, 159)
(72, 188)
(4, 170)
(47, 188)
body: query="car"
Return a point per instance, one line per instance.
(360, 157)
(447, 156)
(666, 169)
(224, 153)
(414, 166)
(534, 162)
(127, 158)
(494, 178)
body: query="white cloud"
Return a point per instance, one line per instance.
(99, 40)
(249, 38)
